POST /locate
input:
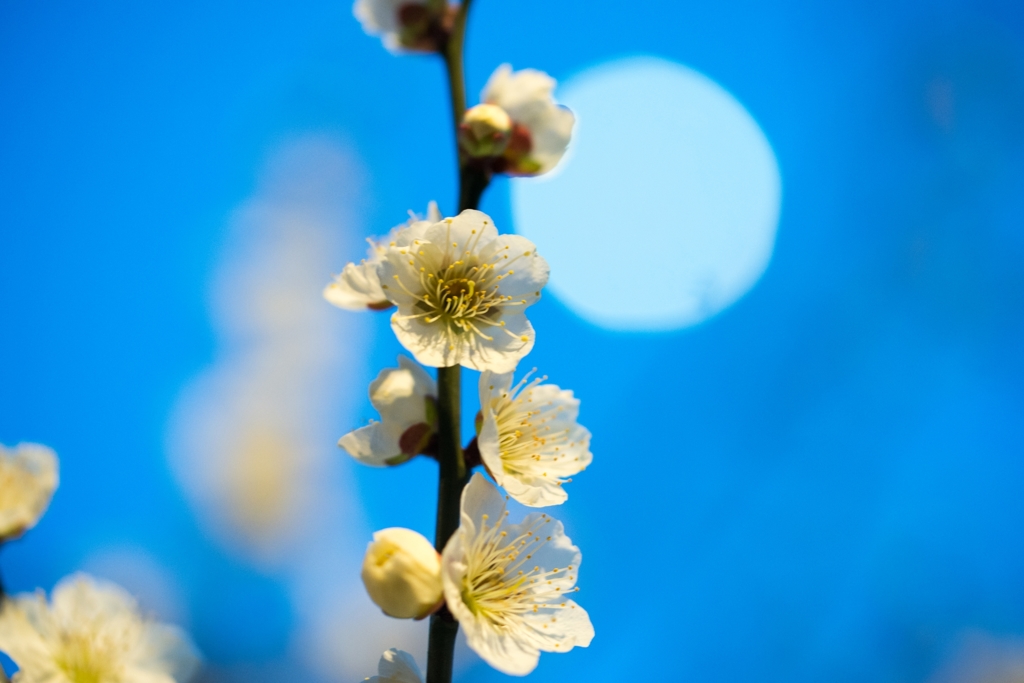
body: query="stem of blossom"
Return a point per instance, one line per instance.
(472, 183)
(451, 480)
(473, 179)
(451, 465)
(452, 54)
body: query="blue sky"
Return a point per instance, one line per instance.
(821, 482)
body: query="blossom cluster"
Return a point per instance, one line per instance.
(90, 631)
(459, 292)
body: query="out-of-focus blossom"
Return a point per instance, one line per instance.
(402, 573)
(91, 632)
(357, 288)
(461, 291)
(980, 657)
(529, 439)
(541, 129)
(485, 131)
(403, 25)
(405, 398)
(508, 584)
(396, 666)
(250, 439)
(28, 478)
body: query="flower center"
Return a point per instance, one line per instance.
(462, 298)
(88, 657)
(495, 587)
(525, 434)
(457, 290)
(460, 295)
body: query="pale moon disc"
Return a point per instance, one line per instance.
(664, 210)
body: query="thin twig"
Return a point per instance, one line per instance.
(452, 473)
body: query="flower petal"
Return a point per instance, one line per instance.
(550, 136)
(469, 231)
(523, 271)
(372, 445)
(425, 343)
(512, 656)
(357, 288)
(397, 666)
(479, 498)
(166, 650)
(569, 627)
(510, 342)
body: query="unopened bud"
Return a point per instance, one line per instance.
(402, 573)
(485, 130)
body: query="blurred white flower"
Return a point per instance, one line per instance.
(91, 632)
(397, 667)
(979, 657)
(541, 129)
(402, 573)
(507, 584)
(28, 478)
(404, 397)
(402, 24)
(529, 440)
(250, 439)
(357, 288)
(461, 291)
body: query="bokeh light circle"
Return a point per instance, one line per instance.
(665, 209)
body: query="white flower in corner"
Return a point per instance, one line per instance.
(541, 129)
(357, 288)
(461, 291)
(28, 478)
(508, 584)
(402, 24)
(91, 632)
(402, 573)
(404, 397)
(529, 439)
(397, 666)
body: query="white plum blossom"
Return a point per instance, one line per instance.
(461, 291)
(402, 573)
(91, 632)
(28, 478)
(397, 666)
(357, 287)
(405, 398)
(529, 439)
(402, 24)
(508, 584)
(541, 129)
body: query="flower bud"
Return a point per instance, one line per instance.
(485, 130)
(404, 396)
(541, 128)
(402, 573)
